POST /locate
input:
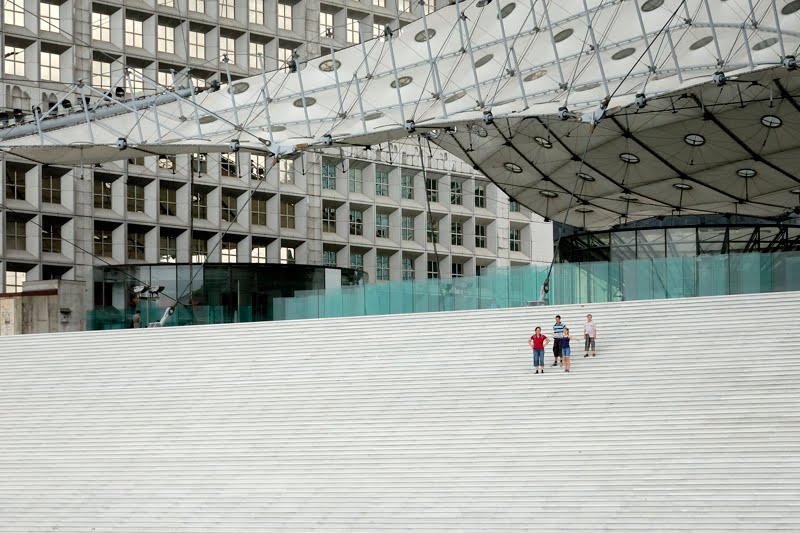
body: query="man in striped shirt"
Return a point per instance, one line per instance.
(558, 334)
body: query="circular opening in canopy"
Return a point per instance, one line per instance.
(208, 119)
(424, 35)
(373, 116)
(308, 102)
(507, 9)
(695, 139)
(746, 172)
(535, 75)
(651, 5)
(544, 143)
(563, 35)
(403, 81)
(622, 54)
(629, 158)
(587, 87)
(771, 121)
(513, 167)
(791, 7)
(766, 43)
(682, 186)
(482, 61)
(548, 194)
(700, 43)
(453, 97)
(479, 131)
(238, 88)
(585, 177)
(328, 64)
(584, 210)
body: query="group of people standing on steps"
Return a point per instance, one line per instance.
(561, 344)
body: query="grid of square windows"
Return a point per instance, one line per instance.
(197, 44)
(50, 66)
(284, 16)
(256, 55)
(433, 269)
(15, 184)
(15, 234)
(229, 207)
(136, 245)
(258, 210)
(198, 6)
(513, 206)
(457, 233)
(103, 242)
(515, 239)
(227, 48)
(133, 32)
(432, 189)
(167, 249)
(14, 280)
(258, 254)
(101, 27)
(329, 257)
(286, 171)
(199, 205)
(102, 194)
(135, 198)
(227, 9)
(199, 250)
(408, 228)
(168, 200)
(480, 195)
(256, 11)
(14, 12)
(166, 39)
(355, 181)
(381, 183)
(51, 238)
(325, 23)
(49, 17)
(357, 260)
(456, 193)
(258, 167)
(457, 270)
(228, 252)
(353, 30)
(433, 231)
(51, 189)
(101, 74)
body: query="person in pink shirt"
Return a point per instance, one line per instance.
(589, 334)
(537, 342)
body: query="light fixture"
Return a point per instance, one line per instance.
(641, 100)
(719, 78)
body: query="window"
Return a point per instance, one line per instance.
(356, 222)
(353, 34)
(256, 55)
(404, 5)
(329, 176)
(284, 17)
(288, 255)
(136, 80)
(480, 195)
(199, 250)
(408, 268)
(227, 165)
(229, 209)
(284, 58)
(382, 225)
(456, 193)
(15, 60)
(197, 44)
(51, 238)
(258, 254)
(355, 180)
(457, 270)
(258, 167)
(433, 269)
(325, 23)
(407, 186)
(329, 219)
(102, 194)
(379, 3)
(457, 233)
(133, 32)
(102, 242)
(166, 39)
(287, 213)
(432, 189)
(198, 6)
(381, 183)
(101, 27)
(258, 210)
(50, 66)
(227, 48)
(408, 228)
(49, 17)
(378, 30)
(135, 245)
(382, 267)
(166, 3)
(515, 238)
(480, 270)
(51, 189)
(199, 205)
(15, 234)
(256, 11)
(513, 206)
(286, 171)
(227, 9)
(167, 162)
(357, 261)
(433, 231)
(228, 252)
(15, 184)
(168, 249)
(480, 236)
(14, 12)
(329, 257)
(101, 75)
(14, 280)
(135, 198)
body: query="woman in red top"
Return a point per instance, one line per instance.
(538, 342)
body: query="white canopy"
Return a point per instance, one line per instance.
(589, 112)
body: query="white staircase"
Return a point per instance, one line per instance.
(688, 419)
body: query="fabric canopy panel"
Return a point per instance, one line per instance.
(590, 113)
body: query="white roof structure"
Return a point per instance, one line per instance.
(592, 113)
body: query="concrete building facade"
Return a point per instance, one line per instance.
(399, 211)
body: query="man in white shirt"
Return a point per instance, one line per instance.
(589, 334)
